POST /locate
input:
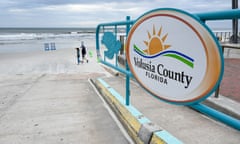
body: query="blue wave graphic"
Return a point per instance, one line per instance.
(166, 52)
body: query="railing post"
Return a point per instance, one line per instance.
(235, 23)
(127, 68)
(116, 56)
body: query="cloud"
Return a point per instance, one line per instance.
(77, 13)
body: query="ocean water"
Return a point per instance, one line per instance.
(34, 39)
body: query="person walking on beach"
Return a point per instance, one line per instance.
(78, 55)
(84, 52)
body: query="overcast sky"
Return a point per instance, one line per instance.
(89, 13)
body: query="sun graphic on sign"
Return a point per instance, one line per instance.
(156, 42)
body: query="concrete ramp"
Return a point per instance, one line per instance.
(179, 123)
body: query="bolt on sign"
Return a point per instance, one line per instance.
(174, 56)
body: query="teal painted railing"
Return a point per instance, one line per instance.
(115, 28)
(101, 28)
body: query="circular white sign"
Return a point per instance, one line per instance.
(174, 56)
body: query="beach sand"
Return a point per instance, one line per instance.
(18, 71)
(40, 62)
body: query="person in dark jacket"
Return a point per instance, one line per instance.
(78, 55)
(84, 52)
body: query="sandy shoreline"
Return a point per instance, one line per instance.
(19, 71)
(49, 62)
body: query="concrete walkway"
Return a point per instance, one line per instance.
(183, 123)
(55, 109)
(46, 98)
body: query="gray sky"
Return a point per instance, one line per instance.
(89, 13)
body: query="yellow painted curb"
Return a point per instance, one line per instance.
(136, 124)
